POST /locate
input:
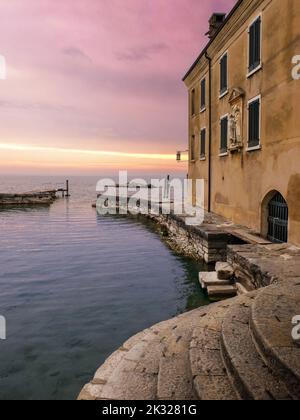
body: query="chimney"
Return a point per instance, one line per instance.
(215, 22)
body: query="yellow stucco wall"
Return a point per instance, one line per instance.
(240, 181)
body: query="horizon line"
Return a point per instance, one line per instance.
(30, 148)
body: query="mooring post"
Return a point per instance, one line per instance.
(67, 188)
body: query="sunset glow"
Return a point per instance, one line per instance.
(25, 157)
(97, 83)
(24, 148)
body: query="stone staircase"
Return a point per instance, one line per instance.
(220, 284)
(241, 348)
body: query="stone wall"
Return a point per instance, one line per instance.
(258, 266)
(255, 265)
(245, 272)
(199, 243)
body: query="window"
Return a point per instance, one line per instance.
(255, 45)
(203, 143)
(193, 102)
(224, 74)
(224, 135)
(254, 123)
(203, 95)
(193, 148)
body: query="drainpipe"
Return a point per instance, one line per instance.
(210, 132)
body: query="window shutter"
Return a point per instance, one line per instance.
(254, 124)
(257, 41)
(193, 148)
(203, 144)
(251, 48)
(223, 74)
(203, 93)
(193, 102)
(224, 135)
(255, 45)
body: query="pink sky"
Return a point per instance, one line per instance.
(97, 75)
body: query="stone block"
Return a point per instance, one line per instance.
(221, 291)
(245, 279)
(211, 279)
(225, 271)
(241, 290)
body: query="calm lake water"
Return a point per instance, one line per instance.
(74, 286)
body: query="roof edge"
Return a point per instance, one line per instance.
(228, 17)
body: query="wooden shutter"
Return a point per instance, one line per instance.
(255, 45)
(193, 148)
(203, 93)
(193, 108)
(223, 74)
(203, 143)
(224, 135)
(254, 123)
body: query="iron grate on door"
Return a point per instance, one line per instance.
(278, 219)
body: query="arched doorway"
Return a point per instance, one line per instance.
(278, 218)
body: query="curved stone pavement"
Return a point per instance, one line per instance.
(241, 348)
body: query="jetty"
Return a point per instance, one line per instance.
(44, 197)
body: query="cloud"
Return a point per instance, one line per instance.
(141, 53)
(76, 53)
(105, 76)
(39, 106)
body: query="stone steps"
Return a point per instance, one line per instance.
(175, 381)
(224, 271)
(121, 360)
(144, 367)
(207, 279)
(271, 324)
(249, 374)
(175, 377)
(241, 348)
(221, 292)
(209, 374)
(219, 283)
(241, 289)
(140, 383)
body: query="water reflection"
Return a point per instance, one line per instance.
(74, 286)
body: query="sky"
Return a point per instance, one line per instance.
(96, 85)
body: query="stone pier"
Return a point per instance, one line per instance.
(44, 198)
(205, 242)
(208, 241)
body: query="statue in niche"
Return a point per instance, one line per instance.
(235, 120)
(235, 128)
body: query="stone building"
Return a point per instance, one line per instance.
(244, 119)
